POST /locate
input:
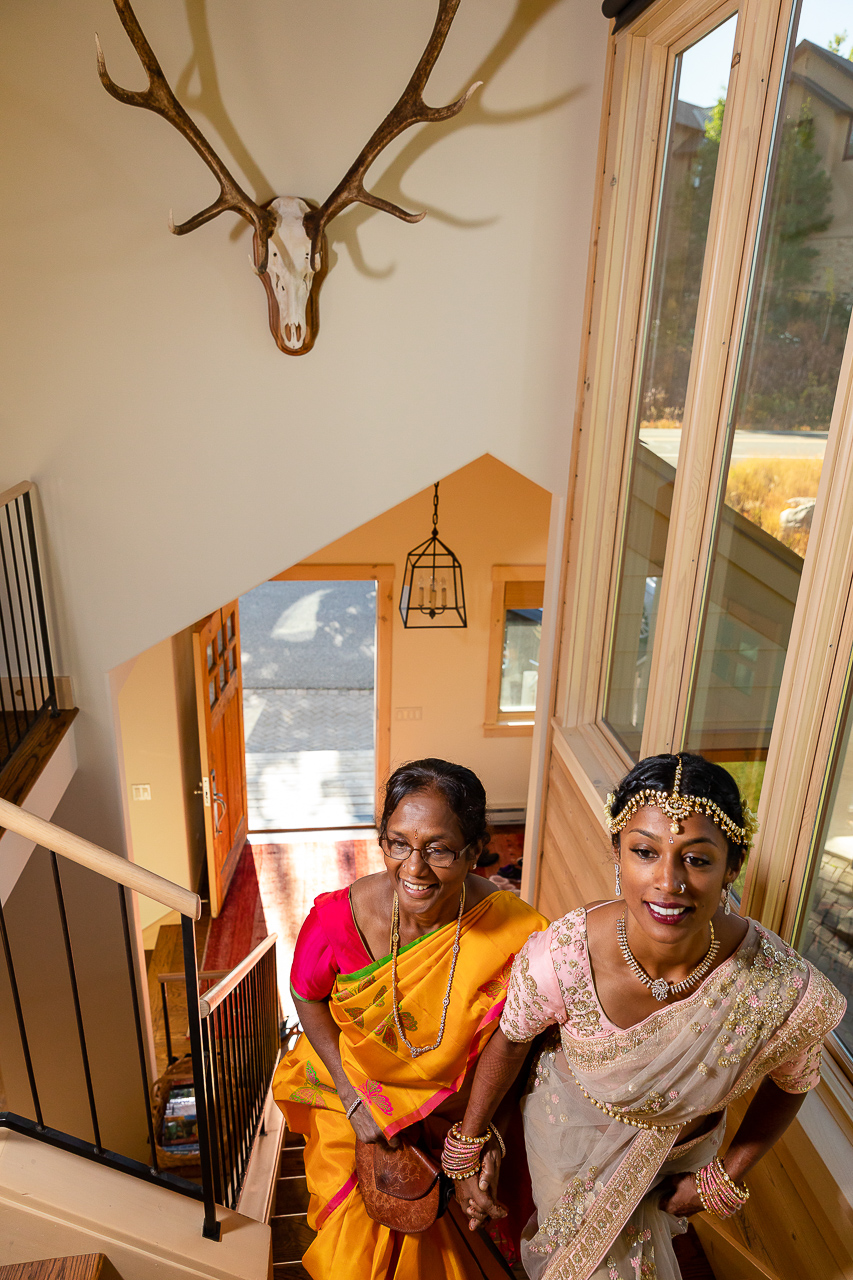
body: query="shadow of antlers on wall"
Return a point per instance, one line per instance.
(292, 235)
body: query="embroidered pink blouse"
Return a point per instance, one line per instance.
(552, 982)
(328, 944)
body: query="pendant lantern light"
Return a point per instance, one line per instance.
(433, 592)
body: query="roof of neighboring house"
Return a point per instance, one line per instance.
(818, 91)
(692, 116)
(833, 59)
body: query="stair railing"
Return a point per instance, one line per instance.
(27, 683)
(233, 1057)
(240, 1040)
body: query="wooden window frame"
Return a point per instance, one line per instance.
(505, 724)
(818, 663)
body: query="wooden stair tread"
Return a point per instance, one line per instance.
(84, 1266)
(285, 1270)
(291, 1236)
(291, 1196)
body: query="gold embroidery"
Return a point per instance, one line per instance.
(613, 1207)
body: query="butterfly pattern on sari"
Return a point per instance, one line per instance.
(357, 1014)
(387, 1032)
(372, 1093)
(311, 1093)
(497, 986)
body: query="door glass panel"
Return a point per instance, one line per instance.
(826, 929)
(789, 362)
(696, 113)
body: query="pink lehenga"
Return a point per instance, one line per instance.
(605, 1107)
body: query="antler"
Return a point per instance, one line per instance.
(158, 97)
(410, 109)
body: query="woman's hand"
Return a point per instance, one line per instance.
(477, 1195)
(678, 1195)
(367, 1130)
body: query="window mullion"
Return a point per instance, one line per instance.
(722, 302)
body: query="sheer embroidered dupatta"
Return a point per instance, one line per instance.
(591, 1169)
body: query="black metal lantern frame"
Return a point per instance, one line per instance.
(433, 592)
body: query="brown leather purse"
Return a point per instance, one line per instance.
(403, 1188)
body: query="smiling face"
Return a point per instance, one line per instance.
(672, 890)
(425, 820)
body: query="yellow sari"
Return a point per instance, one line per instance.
(422, 1095)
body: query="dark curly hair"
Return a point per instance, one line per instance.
(462, 789)
(699, 777)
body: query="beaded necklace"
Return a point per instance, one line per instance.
(660, 988)
(395, 941)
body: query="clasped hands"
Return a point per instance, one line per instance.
(477, 1195)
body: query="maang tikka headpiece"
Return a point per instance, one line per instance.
(677, 807)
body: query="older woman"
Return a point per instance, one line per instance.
(399, 982)
(667, 1006)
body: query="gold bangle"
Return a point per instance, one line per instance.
(472, 1142)
(499, 1140)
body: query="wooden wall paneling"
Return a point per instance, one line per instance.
(575, 861)
(793, 1225)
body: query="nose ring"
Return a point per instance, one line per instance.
(681, 887)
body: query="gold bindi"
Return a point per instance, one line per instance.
(679, 807)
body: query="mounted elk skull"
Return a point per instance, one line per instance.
(289, 245)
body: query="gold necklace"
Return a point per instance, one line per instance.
(395, 941)
(660, 988)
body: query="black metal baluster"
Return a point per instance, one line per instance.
(251, 1048)
(226, 1106)
(30, 718)
(216, 1071)
(75, 995)
(245, 1115)
(211, 1228)
(9, 666)
(19, 1014)
(211, 1107)
(234, 1103)
(164, 1000)
(42, 612)
(140, 1043)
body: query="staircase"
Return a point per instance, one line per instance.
(291, 1234)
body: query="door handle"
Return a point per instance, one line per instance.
(218, 798)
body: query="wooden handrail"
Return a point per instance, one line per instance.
(107, 864)
(209, 1001)
(15, 492)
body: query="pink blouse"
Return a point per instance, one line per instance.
(552, 982)
(328, 944)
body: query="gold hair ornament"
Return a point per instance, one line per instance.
(678, 807)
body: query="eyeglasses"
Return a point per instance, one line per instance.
(434, 855)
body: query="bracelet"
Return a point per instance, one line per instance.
(718, 1193)
(352, 1107)
(458, 1160)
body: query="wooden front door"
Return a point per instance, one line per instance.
(219, 698)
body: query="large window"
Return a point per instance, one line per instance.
(696, 113)
(709, 576)
(789, 362)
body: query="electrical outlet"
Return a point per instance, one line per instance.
(141, 791)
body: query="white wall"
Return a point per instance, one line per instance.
(180, 457)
